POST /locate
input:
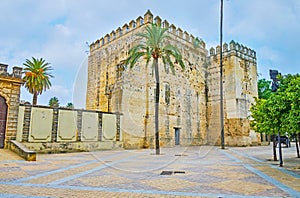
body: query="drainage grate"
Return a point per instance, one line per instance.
(180, 155)
(179, 172)
(166, 173)
(171, 172)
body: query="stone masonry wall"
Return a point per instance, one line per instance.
(10, 90)
(46, 129)
(189, 100)
(239, 89)
(115, 88)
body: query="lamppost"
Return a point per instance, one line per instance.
(221, 78)
(273, 76)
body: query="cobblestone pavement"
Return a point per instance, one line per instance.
(189, 172)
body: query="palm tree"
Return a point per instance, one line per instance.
(70, 105)
(53, 102)
(152, 46)
(37, 77)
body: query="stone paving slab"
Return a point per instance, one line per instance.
(204, 171)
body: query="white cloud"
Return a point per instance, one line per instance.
(58, 29)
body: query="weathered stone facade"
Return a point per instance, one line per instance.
(10, 91)
(189, 99)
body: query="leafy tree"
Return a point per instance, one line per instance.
(70, 105)
(264, 88)
(289, 86)
(53, 102)
(37, 77)
(279, 113)
(152, 46)
(196, 42)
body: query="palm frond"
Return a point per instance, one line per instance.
(37, 74)
(151, 46)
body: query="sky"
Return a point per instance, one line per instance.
(60, 31)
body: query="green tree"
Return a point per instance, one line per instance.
(152, 46)
(54, 102)
(279, 113)
(37, 77)
(289, 87)
(70, 105)
(264, 88)
(196, 42)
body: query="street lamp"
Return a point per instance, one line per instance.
(221, 78)
(273, 76)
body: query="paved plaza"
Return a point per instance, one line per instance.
(187, 172)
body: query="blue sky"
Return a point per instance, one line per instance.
(57, 30)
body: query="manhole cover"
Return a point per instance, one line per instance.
(166, 173)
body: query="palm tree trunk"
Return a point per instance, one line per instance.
(34, 99)
(157, 149)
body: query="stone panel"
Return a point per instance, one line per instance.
(67, 126)
(89, 130)
(40, 125)
(109, 126)
(20, 123)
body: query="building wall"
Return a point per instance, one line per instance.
(189, 99)
(10, 90)
(113, 87)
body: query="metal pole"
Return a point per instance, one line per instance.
(221, 79)
(273, 76)
(280, 151)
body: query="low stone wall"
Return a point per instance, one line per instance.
(64, 147)
(45, 129)
(22, 151)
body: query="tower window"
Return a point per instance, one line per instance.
(167, 94)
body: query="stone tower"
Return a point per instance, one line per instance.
(239, 89)
(188, 100)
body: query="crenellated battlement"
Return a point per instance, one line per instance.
(236, 48)
(139, 22)
(17, 71)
